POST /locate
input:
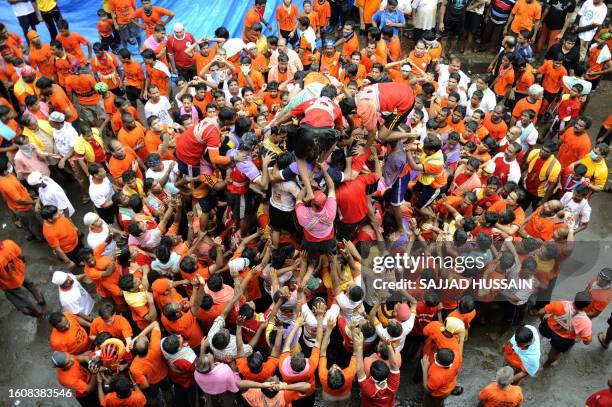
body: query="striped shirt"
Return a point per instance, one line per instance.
(500, 11)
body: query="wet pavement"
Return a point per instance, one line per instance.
(25, 352)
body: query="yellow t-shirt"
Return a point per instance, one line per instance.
(597, 172)
(46, 5)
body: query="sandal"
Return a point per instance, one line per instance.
(457, 391)
(601, 337)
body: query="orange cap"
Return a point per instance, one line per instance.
(32, 34)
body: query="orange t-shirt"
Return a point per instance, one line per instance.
(495, 396)
(421, 62)
(132, 138)
(107, 69)
(202, 60)
(552, 77)
(105, 28)
(512, 358)
(504, 81)
(158, 78)
(76, 378)
(381, 52)
(267, 369)
(525, 15)
(313, 18)
(436, 340)
(323, 12)
(109, 104)
(441, 380)
(120, 328)
(62, 68)
(117, 123)
(61, 234)
(12, 267)
(72, 45)
(83, 85)
(123, 10)
(350, 46)
(286, 18)
(525, 79)
(74, 340)
(152, 366)
(572, 147)
(330, 64)
(523, 105)
(60, 103)
(117, 167)
(349, 375)
(370, 8)
(251, 17)
(186, 326)
(496, 130)
(133, 73)
(541, 227)
(12, 190)
(152, 19)
(466, 318)
(136, 399)
(43, 60)
(308, 375)
(395, 49)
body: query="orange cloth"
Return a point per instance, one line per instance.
(504, 81)
(152, 367)
(370, 7)
(496, 130)
(123, 10)
(76, 378)
(349, 375)
(552, 77)
(330, 64)
(136, 399)
(61, 234)
(119, 328)
(132, 138)
(323, 12)
(541, 227)
(572, 147)
(12, 191)
(153, 19)
(525, 79)
(441, 380)
(61, 103)
(525, 15)
(107, 69)
(72, 45)
(12, 267)
(117, 167)
(158, 78)
(133, 73)
(523, 105)
(74, 340)
(286, 18)
(83, 86)
(187, 326)
(43, 60)
(495, 396)
(267, 369)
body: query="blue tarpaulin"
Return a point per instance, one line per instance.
(200, 17)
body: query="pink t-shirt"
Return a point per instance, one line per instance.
(219, 380)
(317, 225)
(25, 165)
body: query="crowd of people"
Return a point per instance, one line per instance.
(240, 193)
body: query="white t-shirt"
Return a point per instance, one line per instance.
(425, 18)
(529, 136)
(581, 210)
(515, 169)
(442, 92)
(348, 308)
(53, 194)
(443, 75)
(231, 349)
(22, 8)
(159, 109)
(284, 195)
(151, 173)
(65, 139)
(100, 193)
(488, 101)
(407, 326)
(591, 14)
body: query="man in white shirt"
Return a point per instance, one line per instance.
(64, 135)
(576, 203)
(50, 193)
(27, 14)
(444, 72)
(489, 100)
(529, 133)
(158, 105)
(590, 17)
(101, 193)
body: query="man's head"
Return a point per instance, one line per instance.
(49, 213)
(444, 357)
(59, 321)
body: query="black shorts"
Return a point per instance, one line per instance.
(281, 220)
(452, 27)
(132, 93)
(558, 343)
(394, 119)
(242, 205)
(317, 248)
(473, 22)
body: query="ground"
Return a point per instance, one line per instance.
(26, 353)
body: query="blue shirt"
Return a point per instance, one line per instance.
(381, 18)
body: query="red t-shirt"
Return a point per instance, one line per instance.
(177, 48)
(189, 149)
(372, 396)
(351, 198)
(394, 97)
(319, 112)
